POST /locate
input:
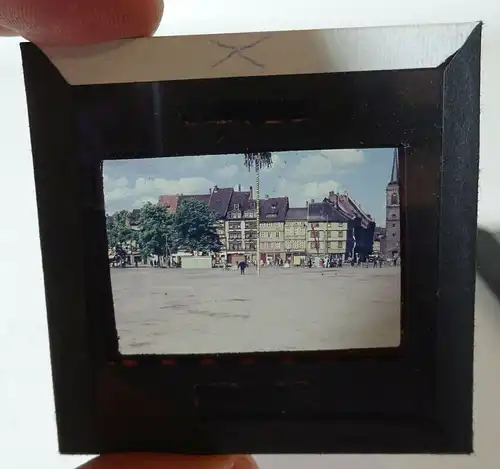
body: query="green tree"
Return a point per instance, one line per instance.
(258, 161)
(194, 227)
(117, 229)
(155, 230)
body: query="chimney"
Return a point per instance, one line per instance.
(312, 201)
(251, 192)
(210, 191)
(239, 187)
(267, 196)
(216, 189)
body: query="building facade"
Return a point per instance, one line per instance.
(296, 234)
(393, 211)
(326, 230)
(241, 227)
(272, 229)
(336, 226)
(360, 225)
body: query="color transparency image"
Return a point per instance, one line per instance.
(255, 252)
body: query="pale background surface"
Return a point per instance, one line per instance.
(27, 426)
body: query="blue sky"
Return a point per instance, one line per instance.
(298, 175)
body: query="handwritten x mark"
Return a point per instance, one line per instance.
(238, 50)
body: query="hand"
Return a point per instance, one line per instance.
(153, 461)
(79, 22)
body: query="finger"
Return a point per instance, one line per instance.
(158, 461)
(7, 32)
(78, 22)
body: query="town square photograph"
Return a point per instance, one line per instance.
(251, 252)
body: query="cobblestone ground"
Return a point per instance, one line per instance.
(193, 311)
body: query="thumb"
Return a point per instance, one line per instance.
(169, 461)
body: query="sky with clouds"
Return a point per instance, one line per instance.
(301, 176)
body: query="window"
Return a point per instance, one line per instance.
(394, 225)
(341, 234)
(277, 245)
(269, 234)
(312, 245)
(341, 225)
(394, 199)
(277, 234)
(235, 226)
(340, 244)
(393, 234)
(236, 206)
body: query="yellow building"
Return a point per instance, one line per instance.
(296, 234)
(272, 241)
(272, 229)
(326, 230)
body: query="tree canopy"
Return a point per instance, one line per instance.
(155, 230)
(194, 227)
(191, 228)
(118, 230)
(258, 160)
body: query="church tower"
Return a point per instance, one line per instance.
(392, 209)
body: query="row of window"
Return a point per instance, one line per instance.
(270, 234)
(251, 235)
(331, 244)
(274, 246)
(277, 246)
(236, 215)
(327, 234)
(329, 225)
(279, 234)
(295, 244)
(295, 229)
(242, 247)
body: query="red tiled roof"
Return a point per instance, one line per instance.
(170, 200)
(349, 207)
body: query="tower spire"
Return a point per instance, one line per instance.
(395, 168)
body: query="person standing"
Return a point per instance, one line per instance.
(242, 265)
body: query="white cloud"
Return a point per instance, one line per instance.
(300, 193)
(278, 163)
(227, 172)
(324, 162)
(119, 193)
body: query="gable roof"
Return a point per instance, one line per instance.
(243, 199)
(273, 209)
(217, 200)
(348, 207)
(170, 200)
(324, 211)
(297, 213)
